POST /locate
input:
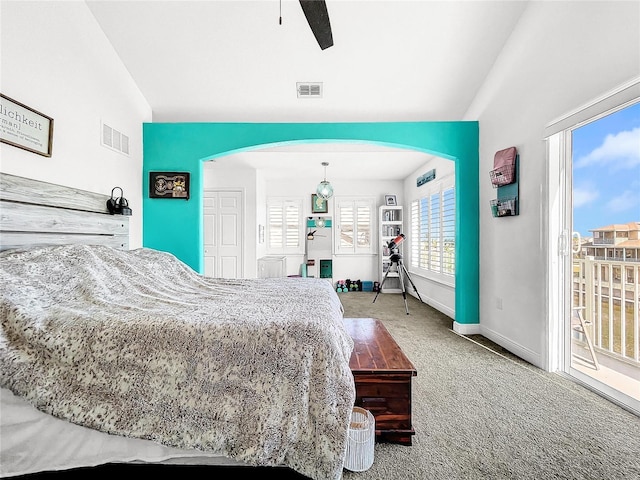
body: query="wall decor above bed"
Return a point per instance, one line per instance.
(169, 185)
(25, 128)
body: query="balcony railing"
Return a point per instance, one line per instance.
(603, 241)
(618, 259)
(609, 291)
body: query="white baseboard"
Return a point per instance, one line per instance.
(441, 307)
(515, 348)
(466, 328)
(477, 329)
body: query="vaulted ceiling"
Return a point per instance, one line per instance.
(240, 61)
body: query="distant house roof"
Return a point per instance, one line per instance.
(629, 244)
(618, 227)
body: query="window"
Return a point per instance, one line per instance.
(629, 272)
(284, 226)
(433, 226)
(354, 225)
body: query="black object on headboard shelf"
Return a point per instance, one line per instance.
(118, 205)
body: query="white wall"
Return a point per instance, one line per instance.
(258, 189)
(560, 55)
(362, 267)
(56, 60)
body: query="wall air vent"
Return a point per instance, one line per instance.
(115, 140)
(309, 89)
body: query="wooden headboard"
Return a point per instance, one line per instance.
(40, 213)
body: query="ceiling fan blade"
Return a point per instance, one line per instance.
(318, 19)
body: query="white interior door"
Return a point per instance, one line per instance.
(223, 220)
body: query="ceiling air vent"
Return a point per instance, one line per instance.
(115, 140)
(309, 89)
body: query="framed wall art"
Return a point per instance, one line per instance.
(318, 204)
(169, 185)
(390, 200)
(25, 128)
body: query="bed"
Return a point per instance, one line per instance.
(115, 355)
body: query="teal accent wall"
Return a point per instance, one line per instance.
(176, 225)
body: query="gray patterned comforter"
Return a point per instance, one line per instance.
(135, 343)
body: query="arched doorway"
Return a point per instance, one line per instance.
(176, 226)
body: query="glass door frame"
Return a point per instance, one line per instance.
(559, 257)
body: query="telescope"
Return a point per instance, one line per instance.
(399, 270)
(396, 242)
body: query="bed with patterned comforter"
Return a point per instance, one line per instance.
(137, 344)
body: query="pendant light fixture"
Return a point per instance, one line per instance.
(325, 190)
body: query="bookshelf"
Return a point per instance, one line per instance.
(390, 225)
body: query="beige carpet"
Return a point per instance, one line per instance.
(484, 414)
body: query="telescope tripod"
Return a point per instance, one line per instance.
(396, 259)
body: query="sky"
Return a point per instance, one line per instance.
(606, 171)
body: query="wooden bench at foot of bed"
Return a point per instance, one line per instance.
(383, 375)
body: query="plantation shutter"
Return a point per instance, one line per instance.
(354, 225)
(434, 233)
(284, 226)
(448, 231)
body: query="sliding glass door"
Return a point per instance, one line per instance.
(600, 248)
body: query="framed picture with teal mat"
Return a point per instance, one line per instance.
(318, 204)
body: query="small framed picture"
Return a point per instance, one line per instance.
(169, 185)
(318, 204)
(390, 200)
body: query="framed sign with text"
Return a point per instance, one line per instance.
(24, 127)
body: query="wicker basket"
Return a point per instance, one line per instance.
(361, 440)
(504, 166)
(504, 175)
